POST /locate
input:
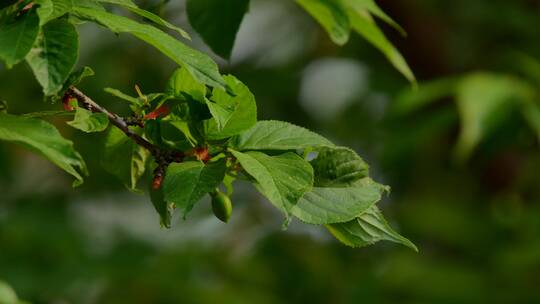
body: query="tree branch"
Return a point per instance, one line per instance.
(87, 103)
(163, 157)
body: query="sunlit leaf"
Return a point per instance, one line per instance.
(367, 229)
(335, 205)
(278, 135)
(283, 179)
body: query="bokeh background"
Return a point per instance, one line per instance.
(476, 219)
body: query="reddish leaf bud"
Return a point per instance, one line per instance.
(202, 154)
(159, 112)
(69, 103)
(156, 182)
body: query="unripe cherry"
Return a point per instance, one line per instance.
(221, 206)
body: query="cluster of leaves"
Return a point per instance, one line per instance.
(224, 142)
(202, 128)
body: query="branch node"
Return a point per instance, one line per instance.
(162, 157)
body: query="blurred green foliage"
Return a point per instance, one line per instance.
(476, 221)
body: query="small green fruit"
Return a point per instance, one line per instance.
(222, 206)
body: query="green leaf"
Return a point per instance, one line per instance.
(335, 205)
(217, 21)
(128, 4)
(123, 158)
(375, 10)
(186, 183)
(338, 167)
(43, 138)
(121, 95)
(51, 9)
(163, 208)
(367, 229)
(232, 114)
(54, 55)
(181, 82)
(483, 100)
(89, 122)
(17, 37)
(283, 179)
(363, 24)
(278, 135)
(332, 16)
(198, 64)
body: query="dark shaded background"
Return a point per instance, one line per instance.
(477, 223)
